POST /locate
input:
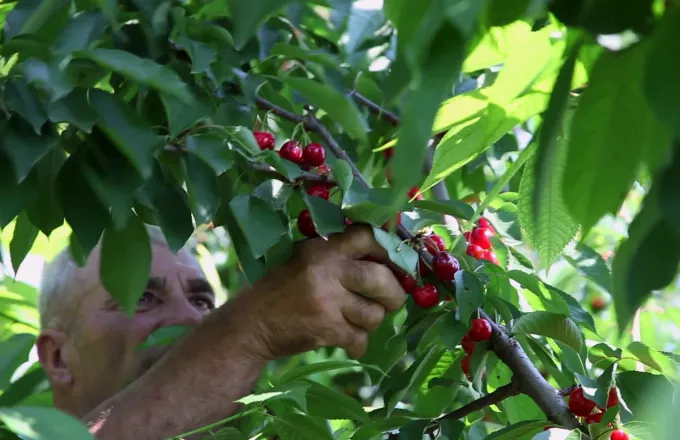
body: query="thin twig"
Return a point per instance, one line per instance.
(374, 108)
(493, 398)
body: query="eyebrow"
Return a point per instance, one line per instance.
(199, 285)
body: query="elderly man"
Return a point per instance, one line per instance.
(326, 295)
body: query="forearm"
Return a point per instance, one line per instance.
(195, 384)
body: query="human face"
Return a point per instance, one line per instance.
(103, 355)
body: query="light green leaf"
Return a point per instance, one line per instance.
(165, 336)
(141, 70)
(591, 264)
(319, 367)
(329, 403)
(126, 263)
(551, 229)
(328, 217)
(248, 16)
(261, 226)
(258, 398)
(301, 427)
(551, 325)
(400, 254)
(653, 358)
(133, 136)
(290, 51)
(343, 174)
(455, 208)
(518, 430)
(34, 423)
(339, 107)
(608, 131)
(469, 294)
(25, 234)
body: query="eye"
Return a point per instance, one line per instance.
(203, 302)
(147, 298)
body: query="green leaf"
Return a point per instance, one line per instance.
(455, 208)
(225, 434)
(290, 51)
(328, 403)
(41, 15)
(646, 261)
(614, 99)
(274, 193)
(24, 148)
(247, 17)
(451, 331)
(598, 18)
(34, 423)
(126, 263)
(652, 358)
(518, 430)
(21, 98)
(211, 148)
(451, 429)
(182, 115)
(551, 228)
(343, 174)
(73, 108)
(202, 55)
(25, 234)
(49, 78)
(301, 427)
(165, 336)
(303, 371)
(24, 386)
(521, 258)
(339, 107)
(558, 434)
(551, 325)
(15, 351)
(400, 254)
(141, 70)
(545, 217)
(133, 136)
(81, 31)
(503, 12)
(328, 217)
(202, 189)
(413, 430)
(591, 264)
(469, 294)
(261, 226)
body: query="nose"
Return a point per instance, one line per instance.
(181, 312)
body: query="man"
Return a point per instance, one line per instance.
(326, 295)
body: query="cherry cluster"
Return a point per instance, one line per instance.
(581, 406)
(480, 330)
(479, 241)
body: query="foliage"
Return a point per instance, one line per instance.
(555, 120)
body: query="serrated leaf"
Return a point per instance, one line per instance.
(551, 325)
(343, 174)
(614, 99)
(141, 70)
(652, 358)
(35, 423)
(319, 367)
(455, 208)
(301, 427)
(328, 403)
(261, 226)
(328, 217)
(551, 229)
(400, 254)
(248, 16)
(165, 336)
(591, 264)
(24, 236)
(517, 430)
(339, 107)
(128, 131)
(469, 294)
(126, 263)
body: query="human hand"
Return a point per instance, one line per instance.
(326, 295)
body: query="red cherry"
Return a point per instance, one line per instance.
(618, 434)
(314, 155)
(347, 221)
(422, 268)
(306, 224)
(490, 256)
(323, 169)
(413, 192)
(292, 151)
(484, 223)
(445, 266)
(548, 428)
(388, 153)
(465, 365)
(467, 236)
(594, 418)
(407, 282)
(426, 296)
(319, 190)
(613, 398)
(597, 303)
(434, 243)
(475, 251)
(480, 237)
(579, 405)
(480, 330)
(264, 140)
(468, 344)
(388, 223)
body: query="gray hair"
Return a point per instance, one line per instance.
(56, 302)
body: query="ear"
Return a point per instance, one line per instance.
(53, 356)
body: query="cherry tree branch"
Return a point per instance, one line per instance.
(374, 108)
(527, 377)
(493, 398)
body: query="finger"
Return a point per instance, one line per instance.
(358, 242)
(356, 343)
(374, 281)
(364, 313)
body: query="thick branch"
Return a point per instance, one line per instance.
(374, 108)
(528, 378)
